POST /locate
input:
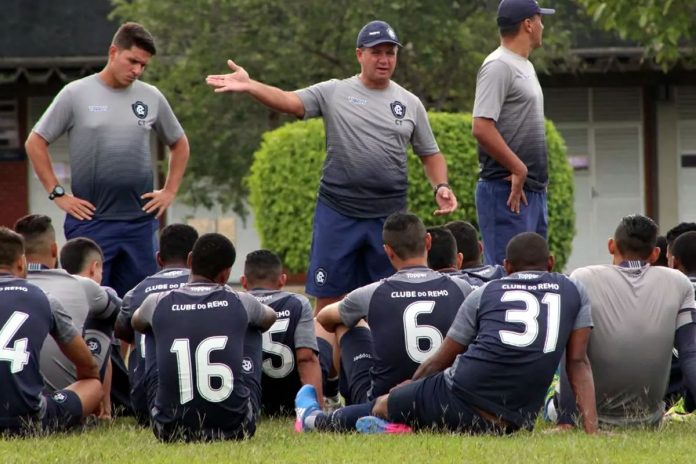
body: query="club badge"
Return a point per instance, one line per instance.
(398, 109)
(139, 109)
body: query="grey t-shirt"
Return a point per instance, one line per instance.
(304, 333)
(80, 297)
(508, 92)
(636, 311)
(109, 141)
(367, 135)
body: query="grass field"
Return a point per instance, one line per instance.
(275, 442)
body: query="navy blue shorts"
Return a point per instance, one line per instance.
(129, 248)
(63, 411)
(498, 224)
(357, 360)
(429, 404)
(346, 253)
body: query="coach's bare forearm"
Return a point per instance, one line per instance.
(37, 151)
(276, 99)
(488, 136)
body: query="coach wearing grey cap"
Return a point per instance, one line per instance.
(370, 121)
(508, 124)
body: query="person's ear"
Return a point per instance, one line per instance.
(245, 283)
(550, 263)
(460, 260)
(611, 246)
(654, 255)
(158, 257)
(282, 280)
(509, 269)
(428, 241)
(189, 260)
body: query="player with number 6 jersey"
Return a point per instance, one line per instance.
(199, 332)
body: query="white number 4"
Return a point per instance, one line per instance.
(528, 316)
(18, 355)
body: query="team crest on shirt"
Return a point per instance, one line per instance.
(93, 345)
(59, 397)
(398, 109)
(139, 109)
(320, 277)
(247, 365)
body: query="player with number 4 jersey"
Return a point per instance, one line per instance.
(199, 332)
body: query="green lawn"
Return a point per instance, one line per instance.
(275, 442)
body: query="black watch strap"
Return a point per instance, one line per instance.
(58, 191)
(439, 186)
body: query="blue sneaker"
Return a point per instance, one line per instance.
(373, 424)
(305, 404)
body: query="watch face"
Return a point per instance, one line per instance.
(58, 191)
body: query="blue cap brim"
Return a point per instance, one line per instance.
(547, 11)
(381, 41)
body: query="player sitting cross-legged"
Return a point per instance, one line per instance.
(491, 372)
(290, 345)
(470, 249)
(406, 316)
(27, 317)
(199, 332)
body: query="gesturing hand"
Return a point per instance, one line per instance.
(236, 81)
(446, 201)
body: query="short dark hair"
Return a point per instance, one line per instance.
(211, 254)
(510, 31)
(37, 231)
(405, 234)
(262, 266)
(443, 249)
(661, 260)
(176, 242)
(76, 254)
(684, 249)
(11, 246)
(677, 230)
(527, 251)
(467, 239)
(636, 236)
(133, 34)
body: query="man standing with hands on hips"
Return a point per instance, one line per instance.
(109, 117)
(508, 123)
(369, 121)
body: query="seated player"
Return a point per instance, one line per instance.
(199, 335)
(674, 233)
(491, 372)
(176, 242)
(405, 315)
(442, 255)
(470, 248)
(290, 345)
(27, 317)
(637, 308)
(92, 309)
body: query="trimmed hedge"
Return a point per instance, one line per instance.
(285, 174)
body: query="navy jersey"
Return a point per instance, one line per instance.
(26, 318)
(293, 329)
(516, 329)
(199, 333)
(166, 279)
(479, 275)
(408, 314)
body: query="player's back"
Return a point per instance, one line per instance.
(479, 275)
(25, 321)
(199, 334)
(635, 309)
(409, 314)
(522, 324)
(294, 323)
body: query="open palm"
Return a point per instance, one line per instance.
(236, 81)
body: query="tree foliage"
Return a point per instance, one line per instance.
(285, 174)
(661, 26)
(295, 43)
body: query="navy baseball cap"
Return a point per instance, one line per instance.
(511, 12)
(375, 33)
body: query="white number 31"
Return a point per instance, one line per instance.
(528, 316)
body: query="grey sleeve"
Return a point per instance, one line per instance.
(62, 329)
(584, 316)
(147, 308)
(305, 336)
(492, 85)
(255, 309)
(166, 125)
(463, 285)
(315, 97)
(58, 117)
(102, 304)
(356, 304)
(688, 306)
(465, 325)
(422, 139)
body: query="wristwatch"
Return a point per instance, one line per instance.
(439, 186)
(58, 191)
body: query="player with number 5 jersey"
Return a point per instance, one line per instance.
(199, 335)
